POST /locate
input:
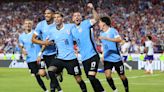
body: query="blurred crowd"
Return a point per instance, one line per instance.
(134, 19)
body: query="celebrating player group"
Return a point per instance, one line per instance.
(52, 41)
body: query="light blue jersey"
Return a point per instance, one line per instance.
(84, 38)
(31, 48)
(41, 30)
(110, 49)
(64, 42)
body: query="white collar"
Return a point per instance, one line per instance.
(108, 30)
(62, 27)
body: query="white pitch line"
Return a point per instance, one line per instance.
(132, 77)
(142, 84)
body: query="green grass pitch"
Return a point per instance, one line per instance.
(20, 80)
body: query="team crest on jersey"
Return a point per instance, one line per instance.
(24, 40)
(80, 30)
(68, 32)
(44, 31)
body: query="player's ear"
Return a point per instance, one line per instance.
(103, 25)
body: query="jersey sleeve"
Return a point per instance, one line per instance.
(87, 23)
(38, 29)
(115, 33)
(20, 40)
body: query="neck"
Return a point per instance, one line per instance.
(50, 22)
(27, 31)
(60, 26)
(78, 24)
(105, 28)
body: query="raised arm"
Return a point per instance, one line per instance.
(95, 15)
(117, 39)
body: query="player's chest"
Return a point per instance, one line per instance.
(81, 33)
(27, 41)
(107, 35)
(62, 34)
(27, 38)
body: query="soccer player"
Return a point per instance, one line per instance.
(62, 36)
(110, 39)
(149, 54)
(89, 55)
(125, 49)
(161, 58)
(31, 51)
(41, 30)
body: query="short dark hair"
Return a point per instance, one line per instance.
(149, 37)
(50, 8)
(60, 13)
(106, 20)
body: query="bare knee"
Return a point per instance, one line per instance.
(108, 74)
(52, 68)
(78, 78)
(122, 77)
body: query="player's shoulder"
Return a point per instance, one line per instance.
(147, 42)
(85, 21)
(150, 42)
(113, 29)
(70, 25)
(41, 22)
(22, 35)
(32, 31)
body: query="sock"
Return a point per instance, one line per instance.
(125, 83)
(95, 84)
(151, 67)
(147, 66)
(54, 84)
(162, 66)
(111, 83)
(83, 86)
(40, 82)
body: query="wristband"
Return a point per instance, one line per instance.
(39, 54)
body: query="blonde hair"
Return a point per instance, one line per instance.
(28, 20)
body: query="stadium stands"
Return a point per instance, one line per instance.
(133, 18)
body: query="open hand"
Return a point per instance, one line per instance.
(90, 5)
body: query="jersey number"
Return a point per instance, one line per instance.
(76, 70)
(93, 64)
(121, 69)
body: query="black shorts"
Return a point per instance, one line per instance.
(118, 66)
(49, 59)
(72, 66)
(91, 64)
(34, 67)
